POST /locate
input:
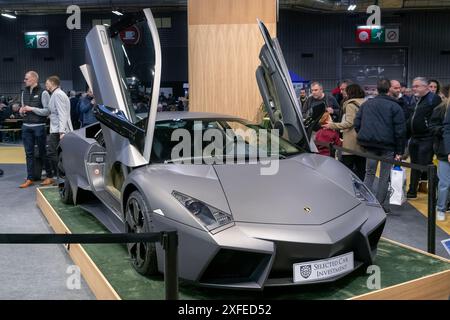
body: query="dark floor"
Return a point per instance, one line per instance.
(31, 271)
(407, 225)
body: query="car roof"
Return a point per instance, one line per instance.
(185, 115)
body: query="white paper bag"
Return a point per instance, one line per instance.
(398, 186)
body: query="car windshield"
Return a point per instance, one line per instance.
(200, 141)
(134, 54)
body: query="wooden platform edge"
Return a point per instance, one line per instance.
(432, 287)
(95, 279)
(416, 250)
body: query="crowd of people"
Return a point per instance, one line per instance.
(394, 124)
(39, 109)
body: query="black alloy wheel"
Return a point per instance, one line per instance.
(65, 191)
(138, 220)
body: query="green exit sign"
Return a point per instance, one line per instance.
(36, 40)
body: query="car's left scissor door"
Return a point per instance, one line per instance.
(124, 66)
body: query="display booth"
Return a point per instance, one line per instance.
(404, 272)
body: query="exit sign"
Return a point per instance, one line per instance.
(36, 40)
(370, 34)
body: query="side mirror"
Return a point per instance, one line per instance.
(280, 126)
(117, 121)
(311, 123)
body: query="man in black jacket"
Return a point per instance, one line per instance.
(380, 124)
(421, 143)
(317, 98)
(440, 126)
(34, 102)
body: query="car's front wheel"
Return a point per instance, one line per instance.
(138, 220)
(65, 190)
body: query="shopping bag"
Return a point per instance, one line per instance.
(398, 186)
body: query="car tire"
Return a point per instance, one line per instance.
(61, 172)
(65, 192)
(138, 220)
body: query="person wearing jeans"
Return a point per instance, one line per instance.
(443, 187)
(381, 129)
(440, 126)
(34, 102)
(385, 171)
(31, 136)
(419, 129)
(60, 124)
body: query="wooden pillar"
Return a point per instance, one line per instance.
(224, 44)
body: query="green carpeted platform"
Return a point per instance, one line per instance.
(397, 265)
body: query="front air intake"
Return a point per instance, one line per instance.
(232, 266)
(375, 236)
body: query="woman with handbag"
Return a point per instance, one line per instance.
(355, 97)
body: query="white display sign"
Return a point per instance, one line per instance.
(391, 35)
(323, 269)
(42, 41)
(446, 244)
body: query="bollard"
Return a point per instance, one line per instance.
(169, 241)
(432, 180)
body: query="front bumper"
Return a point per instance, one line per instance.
(254, 256)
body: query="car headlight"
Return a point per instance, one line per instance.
(362, 192)
(212, 218)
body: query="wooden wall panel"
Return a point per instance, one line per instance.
(231, 11)
(223, 55)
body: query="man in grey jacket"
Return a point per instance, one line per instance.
(60, 123)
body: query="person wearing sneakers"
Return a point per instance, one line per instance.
(34, 101)
(60, 124)
(440, 126)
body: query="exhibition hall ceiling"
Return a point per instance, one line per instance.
(59, 6)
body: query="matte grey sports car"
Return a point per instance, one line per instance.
(310, 220)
